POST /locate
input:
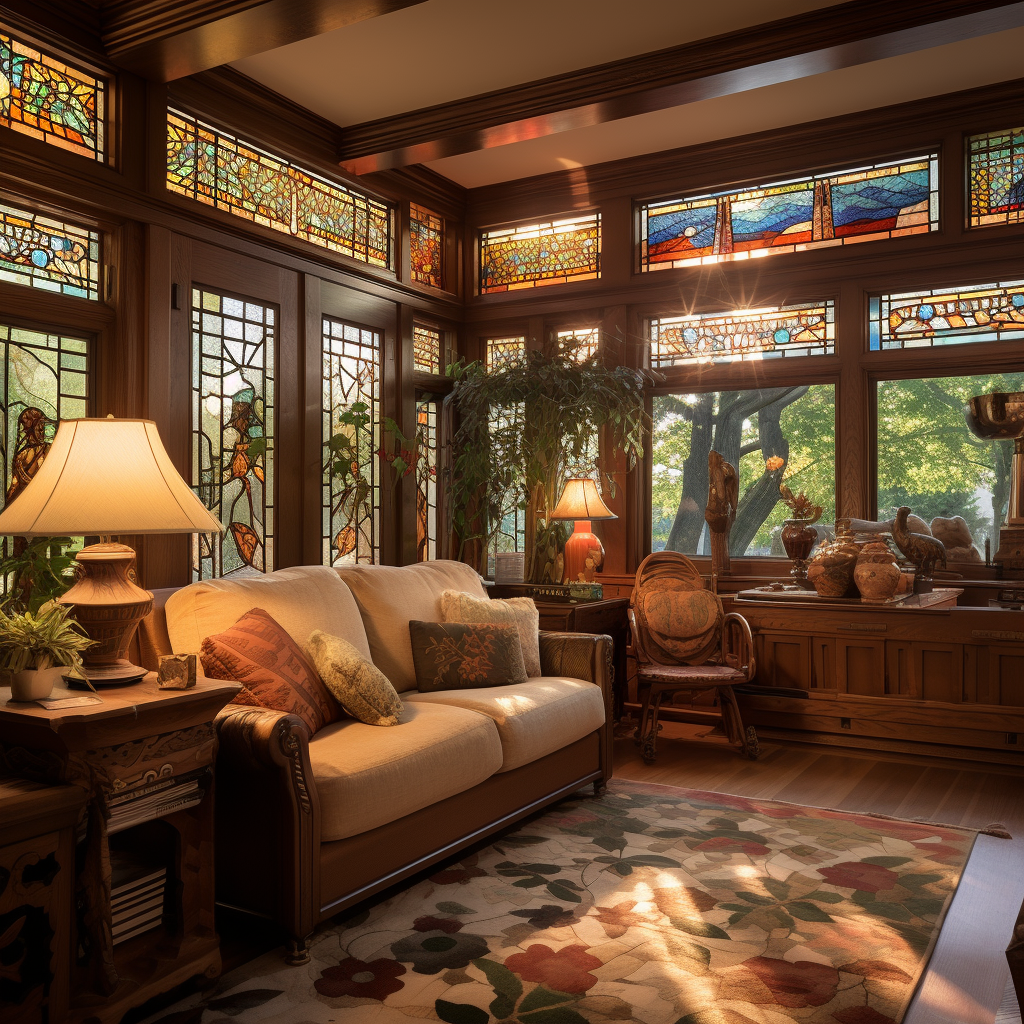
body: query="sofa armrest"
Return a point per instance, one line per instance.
(585, 656)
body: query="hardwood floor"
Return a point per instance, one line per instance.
(967, 975)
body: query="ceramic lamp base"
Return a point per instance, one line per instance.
(584, 554)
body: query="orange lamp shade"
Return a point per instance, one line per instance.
(584, 553)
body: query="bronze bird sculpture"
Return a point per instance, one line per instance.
(925, 552)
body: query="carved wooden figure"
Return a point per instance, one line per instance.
(723, 497)
(925, 552)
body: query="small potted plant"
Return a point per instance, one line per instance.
(37, 649)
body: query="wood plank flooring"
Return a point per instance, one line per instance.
(967, 977)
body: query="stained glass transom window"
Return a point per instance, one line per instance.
(776, 332)
(44, 378)
(426, 246)
(45, 253)
(504, 350)
(45, 98)
(427, 354)
(351, 424)
(581, 344)
(426, 480)
(996, 177)
(213, 167)
(947, 316)
(861, 205)
(233, 431)
(553, 252)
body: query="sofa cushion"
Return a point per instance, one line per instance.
(366, 777)
(301, 599)
(389, 597)
(456, 655)
(520, 612)
(357, 684)
(533, 719)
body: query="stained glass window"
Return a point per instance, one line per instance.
(427, 354)
(860, 205)
(233, 431)
(775, 332)
(218, 169)
(579, 343)
(44, 378)
(426, 480)
(45, 253)
(504, 350)
(947, 316)
(352, 441)
(996, 177)
(45, 98)
(426, 246)
(552, 252)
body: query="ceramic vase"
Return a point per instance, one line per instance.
(831, 569)
(798, 538)
(35, 683)
(877, 581)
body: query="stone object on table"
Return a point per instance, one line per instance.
(956, 537)
(176, 672)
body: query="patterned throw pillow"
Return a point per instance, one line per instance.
(359, 686)
(520, 612)
(458, 656)
(270, 665)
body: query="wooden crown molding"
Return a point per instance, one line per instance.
(850, 34)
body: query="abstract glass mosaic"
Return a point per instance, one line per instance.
(501, 351)
(861, 205)
(44, 378)
(947, 316)
(426, 246)
(552, 252)
(233, 431)
(352, 443)
(49, 100)
(426, 480)
(50, 254)
(996, 178)
(580, 343)
(426, 349)
(807, 329)
(220, 170)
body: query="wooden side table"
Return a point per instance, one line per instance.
(138, 742)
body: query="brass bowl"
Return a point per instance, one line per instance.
(996, 417)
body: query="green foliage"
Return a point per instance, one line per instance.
(39, 569)
(46, 639)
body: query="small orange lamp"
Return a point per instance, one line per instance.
(584, 554)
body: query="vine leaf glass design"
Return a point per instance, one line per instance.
(426, 479)
(426, 349)
(50, 100)
(887, 200)
(579, 343)
(233, 431)
(996, 178)
(42, 252)
(426, 246)
(551, 252)
(352, 443)
(504, 350)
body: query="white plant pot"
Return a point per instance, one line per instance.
(35, 683)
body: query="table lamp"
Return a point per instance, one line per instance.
(107, 477)
(581, 501)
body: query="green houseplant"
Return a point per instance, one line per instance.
(36, 649)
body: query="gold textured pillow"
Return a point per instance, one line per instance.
(520, 612)
(357, 684)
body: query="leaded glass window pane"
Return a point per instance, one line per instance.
(42, 252)
(947, 316)
(886, 200)
(771, 333)
(427, 352)
(426, 480)
(579, 344)
(996, 178)
(50, 100)
(352, 443)
(213, 167)
(552, 252)
(426, 246)
(233, 342)
(504, 350)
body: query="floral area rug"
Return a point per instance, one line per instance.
(650, 904)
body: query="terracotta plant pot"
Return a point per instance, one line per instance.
(35, 683)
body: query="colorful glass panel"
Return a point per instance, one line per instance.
(996, 178)
(426, 349)
(49, 100)
(426, 246)
(50, 254)
(352, 441)
(426, 480)
(233, 431)
(553, 252)
(947, 316)
(581, 344)
(501, 351)
(213, 167)
(861, 205)
(807, 329)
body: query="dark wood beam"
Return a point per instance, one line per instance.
(163, 40)
(810, 44)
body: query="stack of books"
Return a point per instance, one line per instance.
(136, 895)
(154, 801)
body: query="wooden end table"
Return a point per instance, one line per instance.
(138, 741)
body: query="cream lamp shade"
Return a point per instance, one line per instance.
(103, 477)
(580, 500)
(584, 553)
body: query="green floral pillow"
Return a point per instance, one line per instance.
(459, 656)
(357, 684)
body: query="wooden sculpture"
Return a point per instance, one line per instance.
(720, 514)
(925, 552)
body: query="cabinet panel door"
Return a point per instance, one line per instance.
(900, 680)
(1006, 674)
(785, 660)
(939, 668)
(823, 663)
(860, 666)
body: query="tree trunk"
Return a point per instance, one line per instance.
(689, 521)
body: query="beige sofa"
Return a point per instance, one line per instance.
(307, 827)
